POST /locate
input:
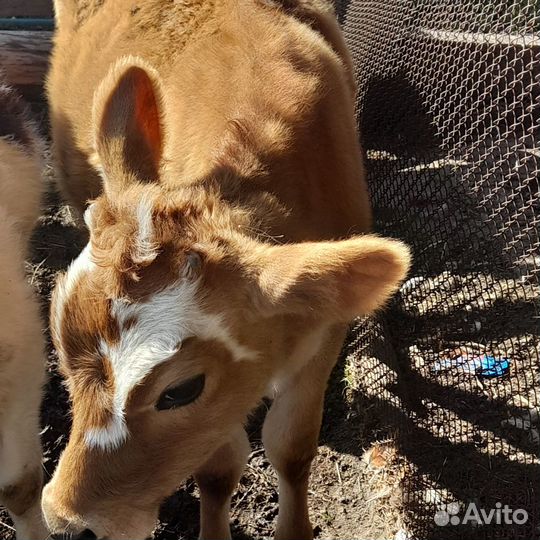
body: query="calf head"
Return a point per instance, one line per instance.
(173, 321)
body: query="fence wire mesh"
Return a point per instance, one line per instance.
(449, 114)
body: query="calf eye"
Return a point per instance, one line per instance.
(181, 395)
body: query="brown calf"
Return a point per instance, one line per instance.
(224, 260)
(22, 363)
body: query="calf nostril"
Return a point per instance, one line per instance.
(87, 534)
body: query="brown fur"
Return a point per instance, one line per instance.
(213, 82)
(232, 124)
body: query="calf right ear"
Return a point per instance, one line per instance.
(335, 281)
(128, 126)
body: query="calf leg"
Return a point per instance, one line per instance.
(21, 478)
(290, 436)
(217, 480)
(22, 499)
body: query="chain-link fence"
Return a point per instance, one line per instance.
(449, 112)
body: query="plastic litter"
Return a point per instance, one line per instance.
(482, 366)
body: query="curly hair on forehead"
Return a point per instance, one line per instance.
(135, 235)
(122, 272)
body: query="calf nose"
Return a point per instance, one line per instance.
(59, 520)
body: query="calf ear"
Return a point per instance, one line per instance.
(128, 125)
(331, 280)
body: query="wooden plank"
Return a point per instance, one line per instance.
(24, 56)
(26, 8)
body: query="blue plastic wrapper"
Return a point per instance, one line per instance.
(482, 366)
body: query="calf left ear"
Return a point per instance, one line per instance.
(331, 280)
(128, 125)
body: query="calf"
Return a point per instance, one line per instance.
(22, 366)
(217, 140)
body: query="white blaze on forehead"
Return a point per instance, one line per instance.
(154, 333)
(216, 328)
(80, 266)
(146, 249)
(111, 436)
